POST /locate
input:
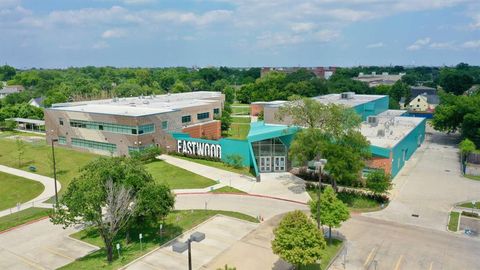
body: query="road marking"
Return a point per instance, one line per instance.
(27, 261)
(149, 265)
(59, 254)
(399, 263)
(367, 261)
(431, 266)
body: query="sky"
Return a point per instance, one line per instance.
(238, 33)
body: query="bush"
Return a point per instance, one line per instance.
(148, 154)
(235, 161)
(470, 214)
(195, 157)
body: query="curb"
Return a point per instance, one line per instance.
(24, 224)
(242, 194)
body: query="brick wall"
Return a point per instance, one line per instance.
(380, 163)
(255, 109)
(210, 130)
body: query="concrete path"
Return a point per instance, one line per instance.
(40, 245)
(256, 246)
(429, 185)
(378, 244)
(48, 191)
(253, 206)
(281, 185)
(221, 232)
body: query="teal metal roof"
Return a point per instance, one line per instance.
(260, 131)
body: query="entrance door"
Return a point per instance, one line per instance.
(265, 164)
(279, 163)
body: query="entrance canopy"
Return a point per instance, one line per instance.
(27, 124)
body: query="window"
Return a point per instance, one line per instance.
(108, 147)
(164, 124)
(204, 115)
(114, 128)
(216, 111)
(418, 100)
(60, 121)
(186, 119)
(62, 140)
(132, 149)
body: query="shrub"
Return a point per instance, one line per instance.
(235, 161)
(470, 214)
(148, 154)
(195, 157)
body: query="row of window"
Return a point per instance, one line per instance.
(138, 148)
(200, 116)
(114, 128)
(109, 147)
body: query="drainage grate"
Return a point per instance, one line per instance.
(447, 170)
(415, 215)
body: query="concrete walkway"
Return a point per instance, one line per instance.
(281, 185)
(220, 231)
(48, 191)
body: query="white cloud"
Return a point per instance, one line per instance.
(472, 44)
(269, 40)
(442, 45)
(137, 2)
(302, 27)
(114, 33)
(375, 45)
(326, 35)
(420, 43)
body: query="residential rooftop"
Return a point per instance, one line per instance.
(351, 101)
(142, 105)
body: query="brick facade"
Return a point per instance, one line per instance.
(210, 130)
(255, 109)
(380, 163)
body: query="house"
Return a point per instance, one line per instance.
(424, 103)
(375, 79)
(37, 102)
(10, 89)
(418, 90)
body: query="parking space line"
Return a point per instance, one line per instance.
(431, 266)
(399, 262)
(59, 254)
(369, 257)
(26, 260)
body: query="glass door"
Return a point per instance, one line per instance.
(279, 163)
(265, 164)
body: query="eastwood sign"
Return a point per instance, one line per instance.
(199, 149)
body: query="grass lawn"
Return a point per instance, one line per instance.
(175, 224)
(227, 189)
(22, 217)
(245, 120)
(218, 165)
(38, 154)
(473, 177)
(329, 252)
(177, 177)
(240, 109)
(355, 203)
(14, 189)
(469, 205)
(238, 131)
(453, 222)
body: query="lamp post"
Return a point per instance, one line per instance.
(54, 170)
(320, 164)
(182, 246)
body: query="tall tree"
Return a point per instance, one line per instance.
(332, 210)
(378, 182)
(297, 240)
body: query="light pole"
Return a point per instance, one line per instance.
(180, 247)
(54, 170)
(320, 164)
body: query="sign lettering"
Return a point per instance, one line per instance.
(199, 149)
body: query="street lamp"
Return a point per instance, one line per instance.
(54, 170)
(319, 167)
(180, 247)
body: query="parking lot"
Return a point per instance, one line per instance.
(40, 245)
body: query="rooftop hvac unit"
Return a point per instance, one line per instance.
(361, 74)
(384, 73)
(381, 133)
(372, 120)
(347, 95)
(146, 102)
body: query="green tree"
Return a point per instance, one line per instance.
(332, 210)
(466, 146)
(400, 89)
(455, 81)
(297, 240)
(107, 193)
(20, 150)
(378, 182)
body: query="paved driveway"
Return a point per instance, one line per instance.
(429, 185)
(40, 245)
(220, 233)
(391, 245)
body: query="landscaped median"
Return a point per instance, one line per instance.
(22, 217)
(174, 225)
(15, 189)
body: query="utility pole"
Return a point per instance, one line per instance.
(54, 171)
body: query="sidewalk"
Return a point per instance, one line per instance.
(48, 192)
(281, 185)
